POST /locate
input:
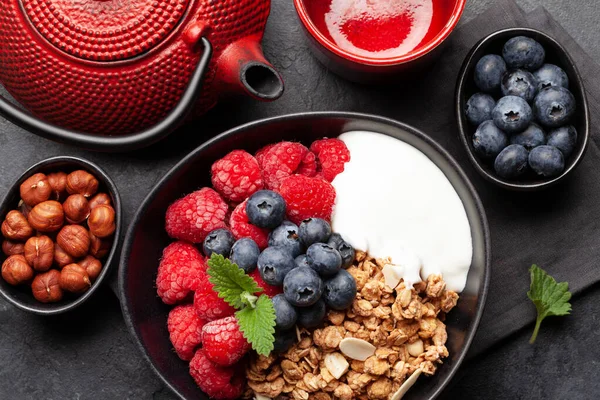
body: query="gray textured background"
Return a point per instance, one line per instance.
(89, 354)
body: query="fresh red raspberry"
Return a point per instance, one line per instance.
(185, 330)
(284, 159)
(236, 176)
(180, 271)
(194, 216)
(208, 305)
(332, 155)
(260, 155)
(223, 342)
(307, 198)
(269, 290)
(221, 383)
(241, 227)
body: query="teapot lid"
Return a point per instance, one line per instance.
(105, 30)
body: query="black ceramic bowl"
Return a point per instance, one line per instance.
(146, 315)
(21, 296)
(555, 54)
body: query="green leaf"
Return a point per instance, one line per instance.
(230, 282)
(258, 325)
(550, 298)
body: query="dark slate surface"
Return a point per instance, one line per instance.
(89, 354)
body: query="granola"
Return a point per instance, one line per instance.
(405, 326)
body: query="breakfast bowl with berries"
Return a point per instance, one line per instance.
(60, 221)
(521, 109)
(318, 255)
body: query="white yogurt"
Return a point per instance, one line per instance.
(392, 201)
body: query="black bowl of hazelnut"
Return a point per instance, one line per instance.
(60, 224)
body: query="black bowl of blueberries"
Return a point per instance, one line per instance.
(522, 110)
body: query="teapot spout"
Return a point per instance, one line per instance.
(244, 68)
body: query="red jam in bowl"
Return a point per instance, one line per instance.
(380, 28)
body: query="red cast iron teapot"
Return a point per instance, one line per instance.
(121, 74)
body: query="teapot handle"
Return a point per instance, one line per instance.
(121, 143)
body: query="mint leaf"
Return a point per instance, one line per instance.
(550, 298)
(230, 282)
(258, 325)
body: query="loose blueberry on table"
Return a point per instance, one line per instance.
(533, 108)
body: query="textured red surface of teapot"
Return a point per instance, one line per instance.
(113, 67)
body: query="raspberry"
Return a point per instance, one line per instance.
(260, 155)
(216, 381)
(223, 342)
(208, 305)
(307, 198)
(236, 176)
(332, 155)
(194, 216)
(284, 159)
(180, 271)
(185, 330)
(269, 290)
(241, 227)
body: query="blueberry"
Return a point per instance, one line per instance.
(340, 291)
(284, 340)
(274, 263)
(564, 139)
(302, 287)
(314, 230)
(335, 240)
(286, 235)
(551, 75)
(218, 241)
(489, 140)
(523, 52)
(531, 137)
(511, 162)
(512, 114)
(488, 73)
(547, 161)
(324, 259)
(245, 254)
(347, 252)
(479, 108)
(302, 261)
(266, 209)
(518, 82)
(554, 106)
(285, 313)
(313, 316)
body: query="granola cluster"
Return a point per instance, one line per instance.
(404, 325)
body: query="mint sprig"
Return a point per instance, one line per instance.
(256, 314)
(550, 298)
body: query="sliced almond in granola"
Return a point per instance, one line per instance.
(406, 385)
(392, 275)
(260, 397)
(357, 349)
(336, 364)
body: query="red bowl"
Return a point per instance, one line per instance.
(371, 69)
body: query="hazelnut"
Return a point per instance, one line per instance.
(47, 216)
(92, 266)
(46, 287)
(82, 182)
(76, 209)
(100, 198)
(24, 208)
(102, 221)
(16, 227)
(35, 189)
(74, 279)
(39, 253)
(15, 270)
(99, 248)
(11, 248)
(61, 258)
(58, 184)
(74, 240)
